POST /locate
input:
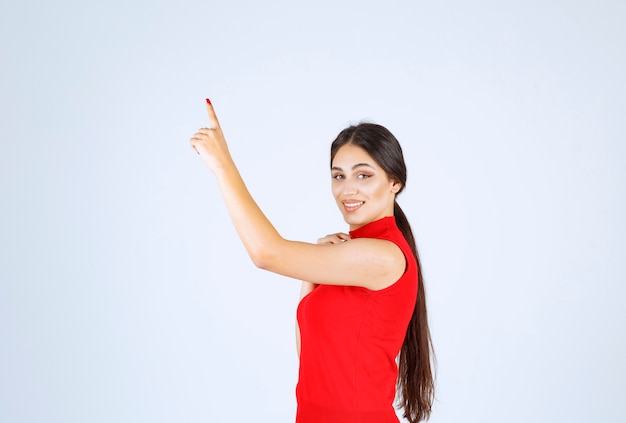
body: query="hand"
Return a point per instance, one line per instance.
(210, 143)
(337, 238)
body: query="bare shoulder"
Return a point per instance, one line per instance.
(381, 262)
(380, 247)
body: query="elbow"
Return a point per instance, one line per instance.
(261, 259)
(266, 255)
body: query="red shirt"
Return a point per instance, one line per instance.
(350, 338)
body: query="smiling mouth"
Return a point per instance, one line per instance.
(353, 205)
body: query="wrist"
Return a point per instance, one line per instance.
(221, 164)
(225, 168)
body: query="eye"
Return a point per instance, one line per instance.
(338, 176)
(363, 176)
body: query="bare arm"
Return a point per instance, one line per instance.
(371, 263)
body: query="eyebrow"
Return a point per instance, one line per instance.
(353, 167)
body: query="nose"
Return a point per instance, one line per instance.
(349, 187)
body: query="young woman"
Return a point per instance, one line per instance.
(362, 300)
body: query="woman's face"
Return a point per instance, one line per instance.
(361, 188)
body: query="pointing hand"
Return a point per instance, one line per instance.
(209, 142)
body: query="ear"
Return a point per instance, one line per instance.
(396, 186)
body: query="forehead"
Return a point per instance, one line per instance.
(350, 154)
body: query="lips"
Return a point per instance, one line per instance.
(350, 206)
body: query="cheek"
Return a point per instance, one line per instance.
(378, 190)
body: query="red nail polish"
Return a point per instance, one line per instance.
(208, 101)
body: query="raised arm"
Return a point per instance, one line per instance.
(371, 263)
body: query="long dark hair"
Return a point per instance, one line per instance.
(415, 386)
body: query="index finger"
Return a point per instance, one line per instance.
(213, 122)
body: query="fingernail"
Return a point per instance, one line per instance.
(208, 101)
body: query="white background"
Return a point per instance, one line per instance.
(125, 295)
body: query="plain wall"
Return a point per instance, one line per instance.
(125, 294)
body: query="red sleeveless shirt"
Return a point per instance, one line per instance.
(350, 338)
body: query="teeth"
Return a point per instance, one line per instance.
(353, 204)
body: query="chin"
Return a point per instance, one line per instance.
(354, 220)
